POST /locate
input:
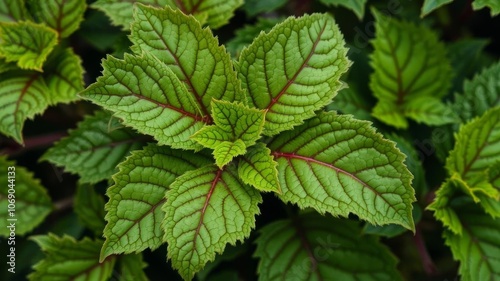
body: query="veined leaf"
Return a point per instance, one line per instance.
(64, 76)
(411, 74)
(206, 209)
(336, 164)
(217, 12)
(94, 148)
(431, 5)
(64, 16)
(23, 96)
(441, 206)
(226, 151)
(357, 6)
(26, 204)
(294, 70)
(492, 205)
(13, 10)
(133, 211)
(132, 268)
(89, 206)
(314, 247)
(258, 169)
(27, 43)
(148, 96)
(68, 259)
(478, 247)
(492, 4)
(192, 53)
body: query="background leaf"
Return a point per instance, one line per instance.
(431, 5)
(218, 12)
(357, 6)
(89, 206)
(64, 16)
(132, 268)
(255, 7)
(492, 4)
(13, 10)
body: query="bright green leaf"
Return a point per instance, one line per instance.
(258, 169)
(411, 74)
(68, 259)
(89, 206)
(441, 206)
(24, 202)
(340, 165)
(314, 247)
(13, 10)
(357, 6)
(64, 16)
(294, 70)
(64, 76)
(148, 96)
(94, 148)
(216, 12)
(27, 43)
(392, 230)
(226, 151)
(134, 211)
(206, 209)
(255, 7)
(192, 53)
(491, 204)
(431, 5)
(494, 5)
(132, 268)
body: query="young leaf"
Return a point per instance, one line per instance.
(64, 16)
(226, 151)
(192, 53)
(314, 247)
(492, 4)
(478, 247)
(441, 206)
(14, 10)
(431, 5)
(148, 96)
(258, 169)
(133, 211)
(23, 200)
(293, 70)
(336, 164)
(68, 259)
(492, 205)
(206, 209)
(411, 74)
(94, 148)
(132, 268)
(89, 206)
(27, 43)
(64, 76)
(217, 12)
(357, 6)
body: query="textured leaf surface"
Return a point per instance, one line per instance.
(89, 206)
(492, 4)
(226, 151)
(293, 70)
(94, 148)
(340, 165)
(13, 10)
(411, 74)
(148, 96)
(192, 53)
(68, 259)
(64, 16)
(27, 43)
(314, 247)
(132, 268)
(218, 12)
(441, 206)
(206, 209)
(23, 96)
(357, 6)
(64, 76)
(259, 169)
(134, 211)
(32, 204)
(431, 5)
(478, 248)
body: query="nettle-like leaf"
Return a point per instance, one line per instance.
(431, 5)
(26, 43)
(357, 6)
(215, 13)
(293, 70)
(89, 206)
(336, 164)
(134, 213)
(23, 200)
(64, 16)
(206, 209)
(68, 259)
(314, 247)
(259, 169)
(94, 148)
(14, 10)
(411, 74)
(477, 247)
(492, 4)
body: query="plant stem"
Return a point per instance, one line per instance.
(429, 266)
(63, 204)
(33, 143)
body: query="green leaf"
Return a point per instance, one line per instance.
(431, 5)
(314, 247)
(478, 247)
(133, 211)
(340, 165)
(24, 202)
(258, 169)
(64, 16)
(23, 96)
(94, 148)
(13, 10)
(357, 6)
(68, 259)
(230, 253)
(479, 94)
(490, 204)
(64, 76)
(411, 74)
(168, 112)
(441, 206)
(217, 12)
(350, 101)
(255, 7)
(27, 43)
(226, 151)
(492, 4)
(294, 70)
(192, 53)
(132, 268)
(206, 209)
(89, 206)
(245, 35)
(392, 230)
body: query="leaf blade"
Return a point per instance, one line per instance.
(64, 16)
